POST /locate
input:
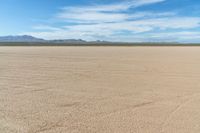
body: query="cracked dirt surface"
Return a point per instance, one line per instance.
(99, 89)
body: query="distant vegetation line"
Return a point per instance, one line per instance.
(92, 44)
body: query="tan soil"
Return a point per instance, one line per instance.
(99, 89)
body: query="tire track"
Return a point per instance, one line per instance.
(169, 118)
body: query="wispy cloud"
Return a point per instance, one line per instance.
(115, 22)
(125, 5)
(102, 13)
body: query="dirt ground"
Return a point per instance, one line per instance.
(99, 89)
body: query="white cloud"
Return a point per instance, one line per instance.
(179, 36)
(102, 13)
(114, 23)
(112, 7)
(91, 31)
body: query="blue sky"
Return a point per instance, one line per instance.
(110, 20)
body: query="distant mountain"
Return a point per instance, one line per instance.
(29, 39)
(24, 38)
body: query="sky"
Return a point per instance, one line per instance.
(108, 20)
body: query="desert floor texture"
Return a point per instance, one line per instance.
(99, 89)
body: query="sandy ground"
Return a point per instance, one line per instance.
(99, 89)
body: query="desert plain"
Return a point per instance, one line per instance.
(99, 89)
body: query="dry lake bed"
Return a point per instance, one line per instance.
(99, 89)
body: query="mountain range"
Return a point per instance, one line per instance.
(23, 38)
(27, 38)
(30, 40)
